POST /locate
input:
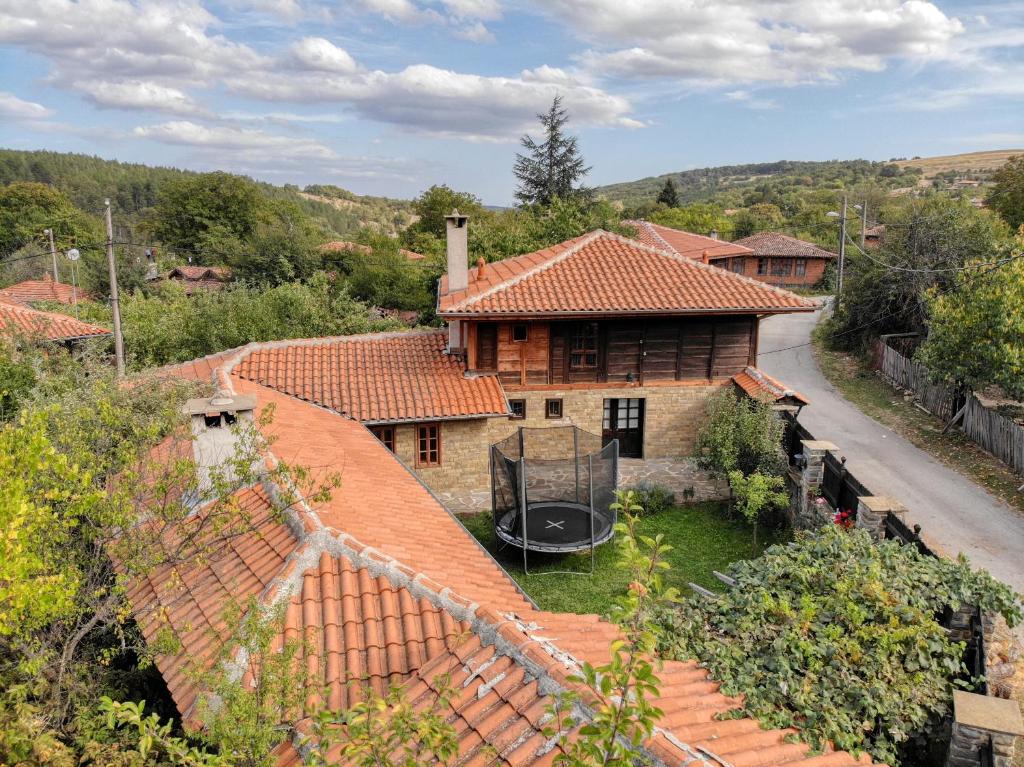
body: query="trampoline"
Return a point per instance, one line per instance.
(552, 490)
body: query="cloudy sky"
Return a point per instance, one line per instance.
(390, 96)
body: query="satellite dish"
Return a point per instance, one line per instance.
(73, 254)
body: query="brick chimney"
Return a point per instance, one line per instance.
(458, 250)
(704, 258)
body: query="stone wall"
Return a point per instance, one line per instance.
(681, 476)
(673, 414)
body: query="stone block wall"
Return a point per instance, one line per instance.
(672, 415)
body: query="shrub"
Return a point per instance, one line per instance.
(756, 494)
(652, 498)
(836, 635)
(740, 433)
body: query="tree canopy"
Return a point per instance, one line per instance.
(1007, 195)
(553, 167)
(668, 195)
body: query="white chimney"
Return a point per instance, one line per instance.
(714, 234)
(457, 234)
(216, 426)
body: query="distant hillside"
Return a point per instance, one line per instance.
(967, 163)
(726, 183)
(132, 188)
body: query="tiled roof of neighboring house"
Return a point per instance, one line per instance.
(875, 232)
(44, 289)
(685, 243)
(383, 585)
(777, 244)
(604, 274)
(355, 247)
(383, 377)
(16, 319)
(195, 278)
(760, 385)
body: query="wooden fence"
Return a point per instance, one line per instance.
(995, 433)
(938, 399)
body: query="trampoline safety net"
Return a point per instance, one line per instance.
(552, 489)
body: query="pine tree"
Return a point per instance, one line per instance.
(552, 167)
(667, 195)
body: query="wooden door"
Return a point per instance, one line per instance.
(624, 421)
(487, 346)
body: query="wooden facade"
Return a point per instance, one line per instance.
(782, 271)
(531, 353)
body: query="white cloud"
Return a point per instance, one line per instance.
(140, 95)
(18, 109)
(751, 101)
(323, 55)
(747, 41)
(230, 139)
(475, 32)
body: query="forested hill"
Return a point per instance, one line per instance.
(132, 188)
(727, 184)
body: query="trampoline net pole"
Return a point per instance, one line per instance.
(522, 503)
(576, 459)
(590, 495)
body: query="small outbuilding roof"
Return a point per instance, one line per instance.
(44, 289)
(17, 320)
(602, 274)
(777, 244)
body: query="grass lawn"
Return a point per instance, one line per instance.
(874, 397)
(704, 539)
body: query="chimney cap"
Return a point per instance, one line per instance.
(221, 402)
(457, 218)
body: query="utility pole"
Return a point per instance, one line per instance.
(115, 302)
(842, 253)
(863, 223)
(53, 254)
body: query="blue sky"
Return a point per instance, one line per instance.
(390, 96)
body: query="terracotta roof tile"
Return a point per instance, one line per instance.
(759, 385)
(603, 273)
(17, 319)
(377, 378)
(685, 243)
(45, 289)
(777, 244)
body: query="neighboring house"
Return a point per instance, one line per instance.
(873, 235)
(196, 278)
(781, 260)
(44, 289)
(20, 321)
(695, 246)
(381, 586)
(355, 247)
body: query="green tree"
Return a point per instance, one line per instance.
(760, 217)
(668, 195)
(757, 494)
(742, 434)
(553, 167)
(211, 214)
(1007, 194)
(834, 634)
(27, 208)
(436, 203)
(976, 331)
(698, 217)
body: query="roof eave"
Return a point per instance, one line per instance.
(466, 314)
(431, 418)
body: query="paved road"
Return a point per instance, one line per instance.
(954, 513)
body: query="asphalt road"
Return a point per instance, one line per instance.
(954, 513)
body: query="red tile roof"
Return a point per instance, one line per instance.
(777, 244)
(17, 319)
(604, 274)
(685, 243)
(383, 377)
(195, 278)
(385, 586)
(355, 247)
(759, 385)
(45, 289)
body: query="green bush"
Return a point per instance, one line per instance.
(836, 635)
(740, 433)
(652, 498)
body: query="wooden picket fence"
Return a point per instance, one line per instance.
(994, 432)
(905, 373)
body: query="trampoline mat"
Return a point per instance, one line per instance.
(555, 526)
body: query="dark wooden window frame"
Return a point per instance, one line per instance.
(512, 403)
(584, 346)
(512, 332)
(427, 455)
(762, 266)
(782, 267)
(386, 434)
(737, 265)
(800, 267)
(548, 403)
